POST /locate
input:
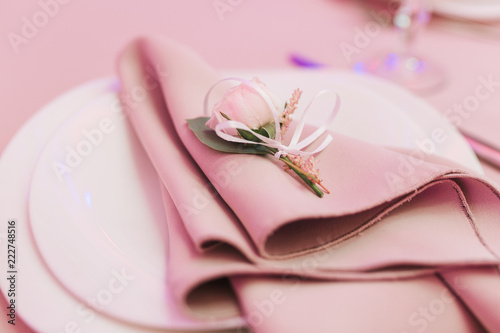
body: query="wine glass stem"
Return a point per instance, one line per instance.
(412, 17)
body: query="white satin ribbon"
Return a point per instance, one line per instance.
(295, 147)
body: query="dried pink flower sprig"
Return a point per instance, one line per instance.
(306, 166)
(290, 108)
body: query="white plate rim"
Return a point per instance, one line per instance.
(473, 10)
(53, 295)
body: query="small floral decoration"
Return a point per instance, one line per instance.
(251, 119)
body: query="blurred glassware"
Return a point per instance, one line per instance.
(402, 65)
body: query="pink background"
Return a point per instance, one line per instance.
(81, 40)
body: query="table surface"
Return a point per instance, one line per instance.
(50, 46)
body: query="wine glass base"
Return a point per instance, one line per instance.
(406, 70)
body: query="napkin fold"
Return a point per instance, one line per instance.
(239, 223)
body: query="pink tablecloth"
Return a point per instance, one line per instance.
(50, 46)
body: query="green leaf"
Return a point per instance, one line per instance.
(270, 130)
(247, 135)
(211, 139)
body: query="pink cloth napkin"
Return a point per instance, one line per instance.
(381, 253)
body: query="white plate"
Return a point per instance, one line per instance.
(41, 301)
(39, 306)
(454, 148)
(96, 213)
(481, 10)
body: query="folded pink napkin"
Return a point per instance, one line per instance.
(373, 252)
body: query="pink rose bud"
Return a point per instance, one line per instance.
(244, 104)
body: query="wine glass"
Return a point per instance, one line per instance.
(402, 65)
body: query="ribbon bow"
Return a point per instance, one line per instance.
(295, 147)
